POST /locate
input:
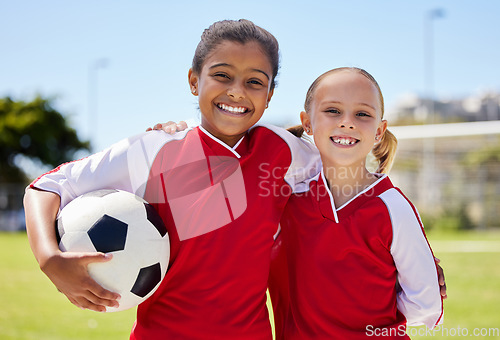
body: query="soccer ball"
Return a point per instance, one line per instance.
(120, 223)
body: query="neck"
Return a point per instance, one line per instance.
(346, 181)
(229, 140)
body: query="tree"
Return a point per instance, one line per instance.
(37, 131)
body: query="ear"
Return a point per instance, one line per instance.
(380, 131)
(306, 122)
(269, 96)
(193, 82)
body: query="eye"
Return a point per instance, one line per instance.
(332, 111)
(363, 114)
(220, 75)
(255, 82)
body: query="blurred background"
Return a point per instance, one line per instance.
(75, 77)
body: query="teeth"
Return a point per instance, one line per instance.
(231, 108)
(344, 141)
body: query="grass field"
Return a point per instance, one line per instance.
(472, 268)
(31, 308)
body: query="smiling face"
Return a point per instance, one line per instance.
(233, 89)
(345, 117)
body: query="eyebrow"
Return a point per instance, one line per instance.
(228, 65)
(362, 104)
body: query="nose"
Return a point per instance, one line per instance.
(236, 92)
(346, 122)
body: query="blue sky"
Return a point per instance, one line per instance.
(49, 46)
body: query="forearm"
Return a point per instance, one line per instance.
(68, 271)
(41, 209)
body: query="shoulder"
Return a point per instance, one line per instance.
(264, 133)
(272, 130)
(270, 139)
(299, 148)
(302, 158)
(398, 205)
(372, 199)
(159, 137)
(153, 140)
(404, 218)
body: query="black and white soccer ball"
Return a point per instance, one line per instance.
(120, 223)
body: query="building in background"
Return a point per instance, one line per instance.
(414, 110)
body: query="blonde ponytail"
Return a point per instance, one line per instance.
(385, 151)
(297, 130)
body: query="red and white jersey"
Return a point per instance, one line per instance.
(221, 206)
(343, 265)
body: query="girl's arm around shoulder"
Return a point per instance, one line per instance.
(420, 299)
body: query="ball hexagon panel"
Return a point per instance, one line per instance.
(147, 279)
(108, 234)
(59, 230)
(155, 219)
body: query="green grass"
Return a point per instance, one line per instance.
(473, 282)
(31, 307)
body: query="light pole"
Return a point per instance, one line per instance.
(429, 18)
(92, 97)
(428, 187)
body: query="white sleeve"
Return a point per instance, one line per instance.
(306, 161)
(124, 166)
(420, 299)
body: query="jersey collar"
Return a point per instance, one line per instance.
(217, 140)
(327, 201)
